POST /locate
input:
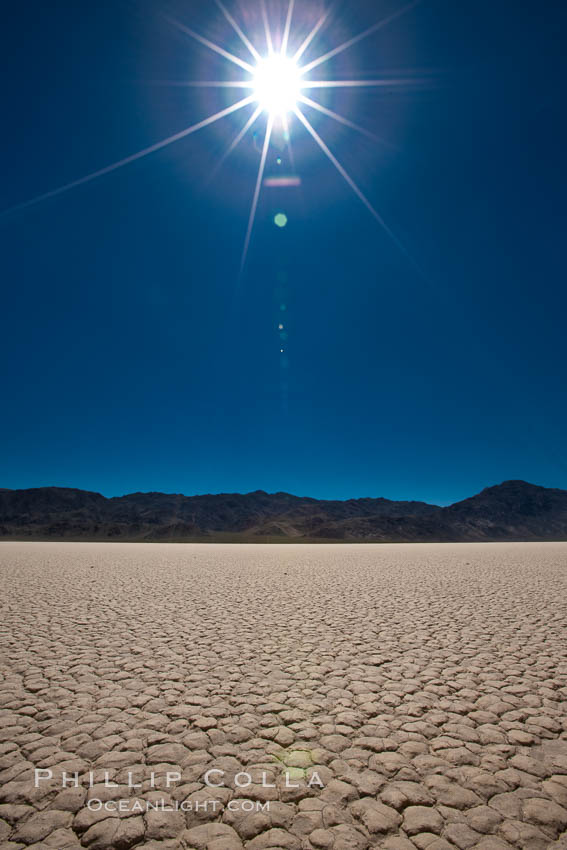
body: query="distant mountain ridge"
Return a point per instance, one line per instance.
(514, 510)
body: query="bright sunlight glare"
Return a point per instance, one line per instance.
(277, 84)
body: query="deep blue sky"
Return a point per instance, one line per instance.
(134, 358)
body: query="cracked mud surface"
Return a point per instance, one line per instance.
(425, 685)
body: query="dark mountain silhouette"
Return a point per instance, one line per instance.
(514, 510)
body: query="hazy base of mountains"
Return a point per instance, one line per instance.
(514, 510)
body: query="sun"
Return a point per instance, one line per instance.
(277, 84)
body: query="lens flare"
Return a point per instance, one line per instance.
(275, 85)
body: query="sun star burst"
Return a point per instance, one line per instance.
(275, 84)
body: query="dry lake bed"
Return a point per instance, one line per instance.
(329, 697)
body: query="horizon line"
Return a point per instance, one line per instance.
(268, 493)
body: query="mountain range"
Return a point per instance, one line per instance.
(514, 510)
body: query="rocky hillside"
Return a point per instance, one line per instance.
(514, 510)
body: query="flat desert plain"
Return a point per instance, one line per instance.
(375, 696)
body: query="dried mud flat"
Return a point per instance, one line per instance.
(425, 685)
